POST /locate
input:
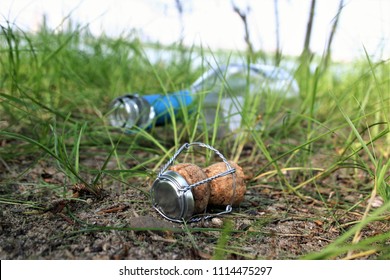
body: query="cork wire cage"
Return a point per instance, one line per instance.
(177, 197)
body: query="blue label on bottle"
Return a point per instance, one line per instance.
(166, 105)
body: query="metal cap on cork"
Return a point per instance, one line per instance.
(172, 196)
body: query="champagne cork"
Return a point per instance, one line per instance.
(192, 174)
(222, 187)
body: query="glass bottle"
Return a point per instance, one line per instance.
(226, 92)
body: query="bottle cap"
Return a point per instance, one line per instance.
(172, 197)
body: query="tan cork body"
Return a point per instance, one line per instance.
(222, 188)
(192, 174)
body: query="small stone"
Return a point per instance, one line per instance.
(106, 246)
(245, 225)
(377, 202)
(217, 222)
(150, 222)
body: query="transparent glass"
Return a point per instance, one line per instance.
(231, 92)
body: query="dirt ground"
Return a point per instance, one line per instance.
(269, 224)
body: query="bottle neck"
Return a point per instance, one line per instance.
(168, 105)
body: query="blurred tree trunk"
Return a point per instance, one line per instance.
(332, 33)
(306, 53)
(307, 79)
(180, 10)
(278, 53)
(243, 16)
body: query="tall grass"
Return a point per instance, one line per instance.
(55, 87)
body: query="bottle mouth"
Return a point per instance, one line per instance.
(129, 111)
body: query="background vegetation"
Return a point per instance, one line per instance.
(55, 91)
